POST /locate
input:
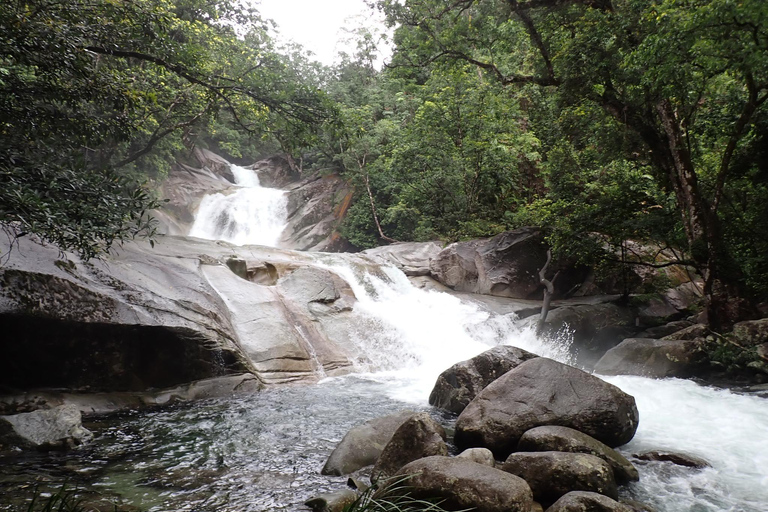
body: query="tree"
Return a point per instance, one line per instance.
(688, 78)
(91, 91)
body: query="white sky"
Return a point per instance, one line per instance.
(317, 24)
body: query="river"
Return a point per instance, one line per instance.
(263, 452)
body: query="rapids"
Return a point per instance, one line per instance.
(263, 452)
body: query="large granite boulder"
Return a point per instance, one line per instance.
(544, 392)
(420, 436)
(57, 428)
(553, 474)
(563, 439)
(506, 265)
(363, 444)
(460, 383)
(460, 484)
(584, 501)
(654, 358)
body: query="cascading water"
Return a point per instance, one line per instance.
(263, 452)
(251, 214)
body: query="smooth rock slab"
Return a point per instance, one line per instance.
(460, 383)
(544, 392)
(554, 474)
(564, 439)
(57, 428)
(363, 444)
(420, 436)
(581, 501)
(462, 484)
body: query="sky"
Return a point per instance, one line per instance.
(317, 24)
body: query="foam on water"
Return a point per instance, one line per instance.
(727, 429)
(251, 214)
(413, 334)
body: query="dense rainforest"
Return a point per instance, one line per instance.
(604, 122)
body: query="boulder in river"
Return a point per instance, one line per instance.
(460, 383)
(460, 484)
(585, 501)
(544, 392)
(506, 265)
(479, 455)
(654, 358)
(420, 436)
(57, 428)
(413, 258)
(680, 459)
(564, 439)
(363, 444)
(554, 474)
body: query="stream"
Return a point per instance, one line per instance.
(264, 452)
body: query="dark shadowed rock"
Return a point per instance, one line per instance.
(480, 455)
(57, 428)
(544, 392)
(584, 501)
(420, 436)
(654, 358)
(664, 330)
(460, 383)
(689, 333)
(564, 439)
(554, 474)
(332, 501)
(363, 444)
(680, 459)
(462, 484)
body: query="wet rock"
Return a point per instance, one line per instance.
(461, 484)
(460, 383)
(277, 171)
(332, 501)
(595, 327)
(554, 474)
(680, 459)
(363, 444)
(57, 428)
(413, 258)
(637, 506)
(480, 455)
(583, 501)
(420, 436)
(564, 439)
(544, 392)
(654, 358)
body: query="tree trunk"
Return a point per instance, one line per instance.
(724, 305)
(549, 290)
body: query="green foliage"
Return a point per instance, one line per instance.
(392, 495)
(97, 97)
(648, 117)
(64, 500)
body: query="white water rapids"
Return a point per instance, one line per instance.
(251, 214)
(413, 335)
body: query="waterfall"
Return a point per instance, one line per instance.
(411, 335)
(251, 214)
(406, 336)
